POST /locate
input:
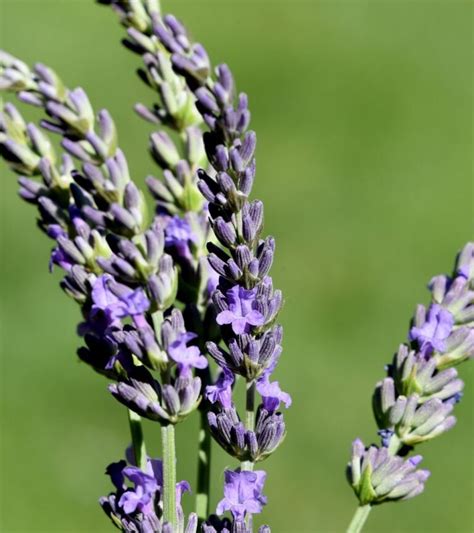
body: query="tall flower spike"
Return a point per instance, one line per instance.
(246, 304)
(414, 403)
(115, 264)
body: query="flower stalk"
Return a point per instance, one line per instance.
(359, 518)
(138, 440)
(249, 416)
(169, 475)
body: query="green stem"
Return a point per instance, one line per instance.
(249, 416)
(394, 446)
(138, 442)
(359, 519)
(169, 476)
(204, 470)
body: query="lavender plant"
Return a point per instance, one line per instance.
(414, 403)
(150, 298)
(178, 305)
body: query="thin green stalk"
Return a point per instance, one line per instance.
(359, 518)
(138, 441)
(394, 446)
(169, 476)
(204, 470)
(249, 416)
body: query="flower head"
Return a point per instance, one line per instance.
(241, 312)
(179, 235)
(137, 491)
(221, 392)
(141, 496)
(187, 357)
(376, 476)
(242, 493)
(118, 301)
(432, 334)
(272, 395)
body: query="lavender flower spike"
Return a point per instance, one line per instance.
(246, 304)
(415, 402)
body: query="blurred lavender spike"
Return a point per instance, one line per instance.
(415, 402)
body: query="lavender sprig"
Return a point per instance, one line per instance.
(246, 302)
(180, 206)
(133, 278)
(414, 403)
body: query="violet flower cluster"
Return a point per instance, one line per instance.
(415, 402)
(138, 492)
(246, 303)
(114, 260)
(151, 297)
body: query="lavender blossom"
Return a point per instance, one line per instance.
(241, 313)
(376, 476)
(246, 305)
(120, 266)
(242, 493)
(114, 260)
(187, 357)
(272, 395)
(118, 301)
(139, 507)
(432, 329)
(221, 391)
(415, 402)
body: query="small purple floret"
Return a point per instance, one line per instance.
(436, 329)
(129, 303)
(241, 313)
(140, 498)
(221, 392)
(242, 493)
(179, 235)
(187, 357)
(272, 395)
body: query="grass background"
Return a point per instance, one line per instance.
(364, 116)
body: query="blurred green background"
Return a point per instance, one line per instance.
(363, 111)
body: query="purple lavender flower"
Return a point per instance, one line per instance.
(187, 357)
(271, 394)
(432, 334)
(376, 476)
(242, 493)
(221, 392)
(139, 501)
(139, 498)
(129, 500)
(241, 313)
(179, 235)
(118, 301)
(415, 402)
